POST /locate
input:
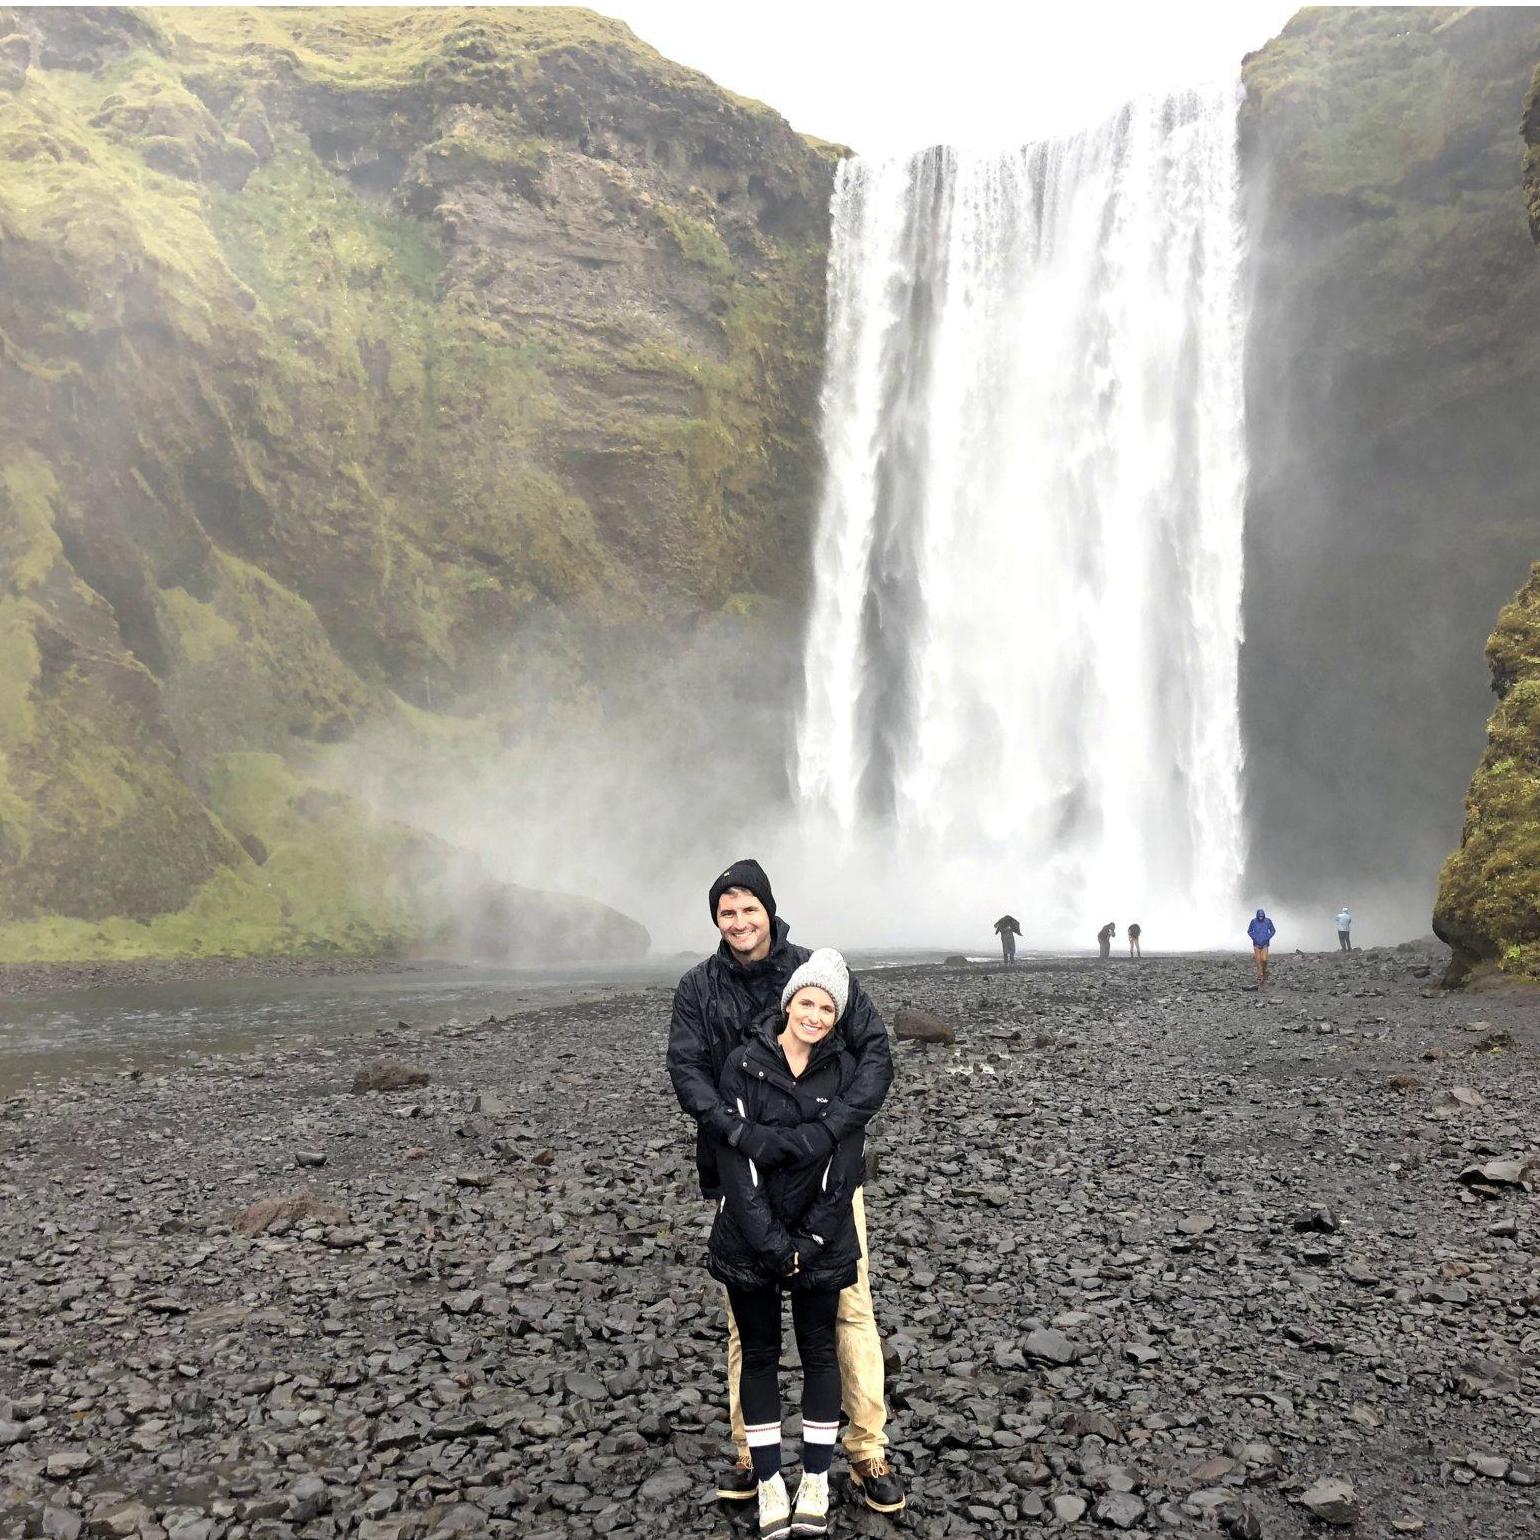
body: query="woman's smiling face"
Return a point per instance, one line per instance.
(811, 1015)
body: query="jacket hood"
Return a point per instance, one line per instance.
(1261, 914)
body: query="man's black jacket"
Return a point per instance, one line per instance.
(717, 1003)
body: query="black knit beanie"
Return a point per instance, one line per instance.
(748, 875)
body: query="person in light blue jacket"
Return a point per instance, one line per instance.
(1261, 930)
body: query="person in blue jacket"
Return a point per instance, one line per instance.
(1261, 930)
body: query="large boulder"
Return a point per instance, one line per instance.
(913, 1025)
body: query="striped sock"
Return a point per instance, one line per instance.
(818, 1445)
(765, 1449)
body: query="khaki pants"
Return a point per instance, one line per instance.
(860, 1354)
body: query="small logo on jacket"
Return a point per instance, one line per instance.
(822, 1100)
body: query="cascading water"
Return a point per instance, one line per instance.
(1021, 654)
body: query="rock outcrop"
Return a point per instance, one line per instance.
(350, 363)
(1393, 366)
(1489, 895)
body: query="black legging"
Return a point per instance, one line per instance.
(813, 1313)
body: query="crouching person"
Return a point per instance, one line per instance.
(790, 1230)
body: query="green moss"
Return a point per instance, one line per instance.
(1489, 890)
(352, 459)
(698, 242)
(331, 883)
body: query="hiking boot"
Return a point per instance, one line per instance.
(738, 1482)
(878, 1487)
(774, 1509)
(811, 1516)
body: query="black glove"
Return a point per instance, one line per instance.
(807, 1247)
(810, 1141)
(766, 1147)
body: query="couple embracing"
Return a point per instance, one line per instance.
(782, 1060)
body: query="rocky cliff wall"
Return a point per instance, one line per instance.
(1489, 892)
(353, 364)
(1394, 363)
(1489, 895)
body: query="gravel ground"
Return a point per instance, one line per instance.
(1153, 1255)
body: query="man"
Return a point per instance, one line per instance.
(1007, 929)
(1104, 939)
(714, 1006)
(1261, 930)
(1344, 925)
(1134, 932)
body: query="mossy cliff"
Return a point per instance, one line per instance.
(1489, 896)
(349, 361)
(1393, 367)
(1489, 893)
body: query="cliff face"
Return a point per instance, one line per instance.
(1489, 894)
(1394, 363)
(349, 361)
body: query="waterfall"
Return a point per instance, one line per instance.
(1021, 647)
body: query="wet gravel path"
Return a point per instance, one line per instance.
(1153, 1255)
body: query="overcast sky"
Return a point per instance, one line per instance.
(884, 76)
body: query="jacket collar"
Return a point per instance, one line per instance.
(764, 1036)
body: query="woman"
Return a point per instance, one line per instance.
(790, 1230)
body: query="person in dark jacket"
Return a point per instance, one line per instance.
(1007, 928)
(792, 1229)
(715, 1006)
(1104, 939)
(1261, 930)
(1134, 932)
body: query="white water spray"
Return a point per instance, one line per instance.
(1021, 652)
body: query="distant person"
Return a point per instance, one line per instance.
(1261, 930)
(716, 1007)
(1104, 939)
(1344, 925)
(1134, 933)
(1007, 929)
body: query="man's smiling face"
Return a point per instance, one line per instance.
(744, 924)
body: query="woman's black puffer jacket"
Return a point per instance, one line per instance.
(766, 1220)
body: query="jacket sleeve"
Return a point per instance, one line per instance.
(866, 1039)
(847, 1167)
(744, 1190)
(689, 1067)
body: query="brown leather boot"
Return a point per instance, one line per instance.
(879, 1487)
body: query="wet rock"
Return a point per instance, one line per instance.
(310, 1157)
(1121, 1510)
(389, 1075)
(913, 1025)
(120, 1517)
(1068, 1508)
(1492, 1466)
(281, 1214)
(668, 1485)
(1331, 1500)
(1502, 1173)
(61, 1523)
(67, 1464)
(1052, 1347)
